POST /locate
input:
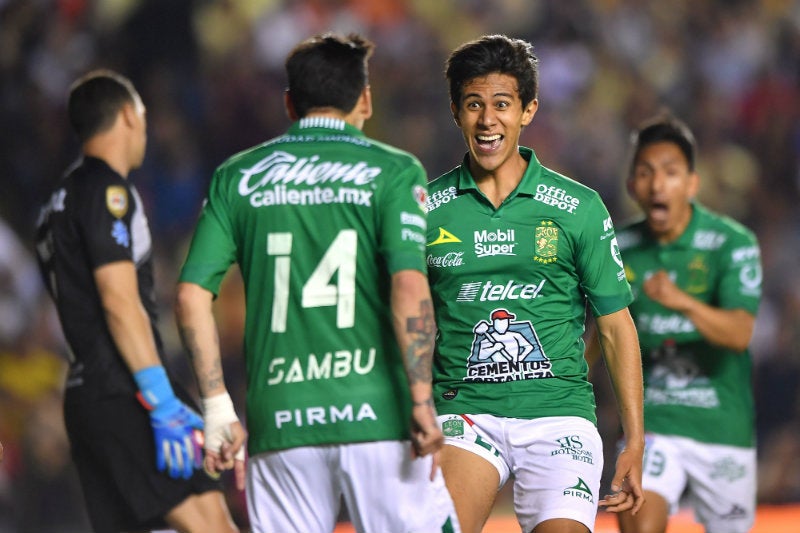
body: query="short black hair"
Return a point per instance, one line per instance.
(328, 70)
(95, 99)
(494, 53)
(664, 127)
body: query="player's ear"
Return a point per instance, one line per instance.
(694, 184)
(454, 111)
(128, 114)
(529, 111)
(365, 103)
(291, 112)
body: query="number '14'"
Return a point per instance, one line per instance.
(319, 290)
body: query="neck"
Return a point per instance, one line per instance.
(114, 153)
(497, 184)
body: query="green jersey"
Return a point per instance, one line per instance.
(318, 220)
(510, 288)
(692, 388)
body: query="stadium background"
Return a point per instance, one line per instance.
(211, 75)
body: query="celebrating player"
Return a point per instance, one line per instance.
(696, 278)
(514, 241)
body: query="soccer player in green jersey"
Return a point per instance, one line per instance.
(328, 229)
(515, 252)
(696, 279)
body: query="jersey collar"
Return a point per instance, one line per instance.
(686, 239)
(317, 124)
(527, 185)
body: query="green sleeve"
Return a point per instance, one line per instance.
(599, 263)
(403, 221)
(740, 273)
(213, 248)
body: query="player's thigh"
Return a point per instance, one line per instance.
(664, 468)
(293, 490)
(561, 525)
(651, 518)
(474, 465)
(473, 484)
(372, 470)
(557, 464)
(201, 513)
(722, 486)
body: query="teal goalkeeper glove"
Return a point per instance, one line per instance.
(177, 450)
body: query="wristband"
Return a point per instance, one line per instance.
(219, 414)
(154, 386)
(220, 407)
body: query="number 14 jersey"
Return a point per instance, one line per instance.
(317, 219)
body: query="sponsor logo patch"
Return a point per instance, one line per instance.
(708, 240)
(440, 198)
(453, 427)
(421, 196)
(444, 237)
(580, 490)
(450, 394)
(119, 231)
(736, 513)
(572, 446)
(491, 243)
(557, 198)
(750, 277)
(504, 349)
(413, 219)
(450, 259)
(488, 291)
(546, 243)
(698, 276)
(727, 469)
(117, 200)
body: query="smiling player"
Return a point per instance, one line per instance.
(513, 241)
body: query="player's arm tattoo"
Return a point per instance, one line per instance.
(422, 332)
(207, 378)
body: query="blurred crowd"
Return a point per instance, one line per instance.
(211, 75)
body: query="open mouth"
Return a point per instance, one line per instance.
(658, 211)
(489, 143)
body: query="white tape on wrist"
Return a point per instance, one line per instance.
(219, 414)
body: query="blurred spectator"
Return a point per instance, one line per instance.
(20, 287)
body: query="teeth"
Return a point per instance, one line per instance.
(488, 138)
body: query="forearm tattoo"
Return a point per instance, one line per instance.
(418, 356)
(207, 378)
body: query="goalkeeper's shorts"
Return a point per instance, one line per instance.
(114, 452)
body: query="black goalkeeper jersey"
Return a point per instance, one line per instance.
(93, 217)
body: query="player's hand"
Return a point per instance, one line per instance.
(426, 435)
(174, 424)
(177, 449)
(498, 347)
(224, 438)
(626, 486)
(660, 288)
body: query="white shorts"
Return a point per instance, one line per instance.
(719, 482)
(384, 490)
(557, 462)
